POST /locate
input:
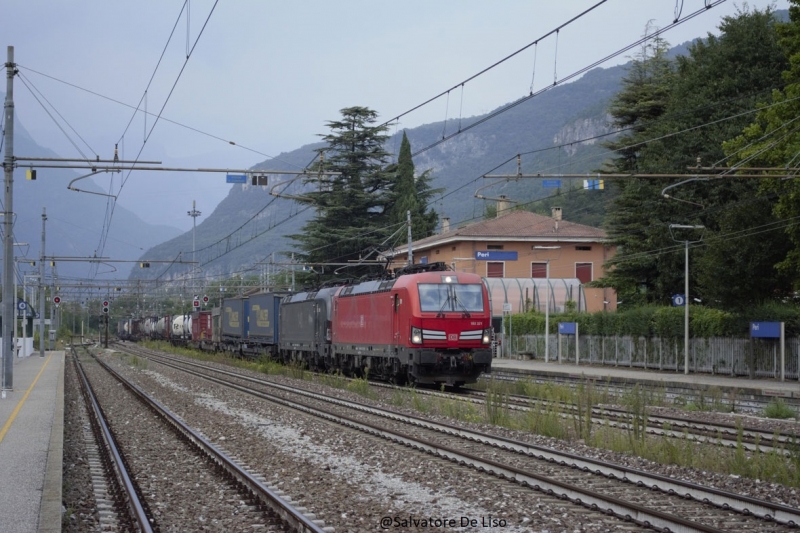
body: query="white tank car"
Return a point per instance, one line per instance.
(182, 327)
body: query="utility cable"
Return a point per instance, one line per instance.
(163, 119)
(106, 228)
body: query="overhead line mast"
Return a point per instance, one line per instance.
(8, 236)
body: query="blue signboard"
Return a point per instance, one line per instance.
(678, 300)
(765, 330)
(567, 328)
(235, 178)
(492, 255)
(551, 184)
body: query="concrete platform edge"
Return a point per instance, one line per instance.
(50, 509)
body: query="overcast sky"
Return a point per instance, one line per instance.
(268, 75)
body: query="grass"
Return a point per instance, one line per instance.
(361, 387)
(777, 408)
(564, 412)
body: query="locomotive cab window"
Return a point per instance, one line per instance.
(449, 297)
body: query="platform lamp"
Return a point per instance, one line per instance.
(547, 296)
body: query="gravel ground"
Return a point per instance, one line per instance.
(79, 504)
(352, 481)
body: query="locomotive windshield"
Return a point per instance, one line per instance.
(450, 297)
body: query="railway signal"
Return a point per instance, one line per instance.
(56, 300)
(105, 307)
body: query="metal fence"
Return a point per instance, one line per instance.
(718, 355)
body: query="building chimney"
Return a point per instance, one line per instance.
(502, 205)
(556, 213)
(445, 225)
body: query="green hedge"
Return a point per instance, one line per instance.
(660, 321)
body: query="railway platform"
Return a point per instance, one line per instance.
(31, 444)
(761, 388)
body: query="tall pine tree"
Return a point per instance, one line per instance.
(352, 207)
(412, 193)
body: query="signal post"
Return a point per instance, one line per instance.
(105, 320)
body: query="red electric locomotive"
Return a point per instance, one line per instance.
(428, 325)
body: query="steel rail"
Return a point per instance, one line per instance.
(287, 512)
(575, 494)
(718, 433)
(111, 453)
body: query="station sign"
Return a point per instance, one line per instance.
(566, 328)
(765, 330)
(235, 178)
(494, 255)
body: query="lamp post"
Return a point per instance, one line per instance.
(547, 302)
(686, 290)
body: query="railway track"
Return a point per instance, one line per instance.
(754, 402)
(722, 434)
(603, 488)
(144, 500)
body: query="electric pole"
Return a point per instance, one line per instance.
(8, 236)
(41, 289)
(194, 213)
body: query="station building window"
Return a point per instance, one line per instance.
(583, 271)
(495, 269)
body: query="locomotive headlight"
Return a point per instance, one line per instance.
(487, 336)
(416, 335)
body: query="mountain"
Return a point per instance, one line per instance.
(557, 132)
(74, 221)
(249, 225)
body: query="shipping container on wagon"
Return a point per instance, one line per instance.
(234, 322)
(201, 327)
(216, 326)
(262, 318)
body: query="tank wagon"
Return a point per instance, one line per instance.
(181, 332)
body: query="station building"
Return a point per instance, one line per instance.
(520, 254)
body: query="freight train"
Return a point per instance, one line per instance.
(426, 324)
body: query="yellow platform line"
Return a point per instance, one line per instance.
(22, 401)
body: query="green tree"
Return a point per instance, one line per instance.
(682, 121)
(773, 140)
(635, 204)
(412, 193)
(351, 207)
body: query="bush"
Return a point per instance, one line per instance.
(661, 321)
(777, 408)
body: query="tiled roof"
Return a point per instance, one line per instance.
(519, 225)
